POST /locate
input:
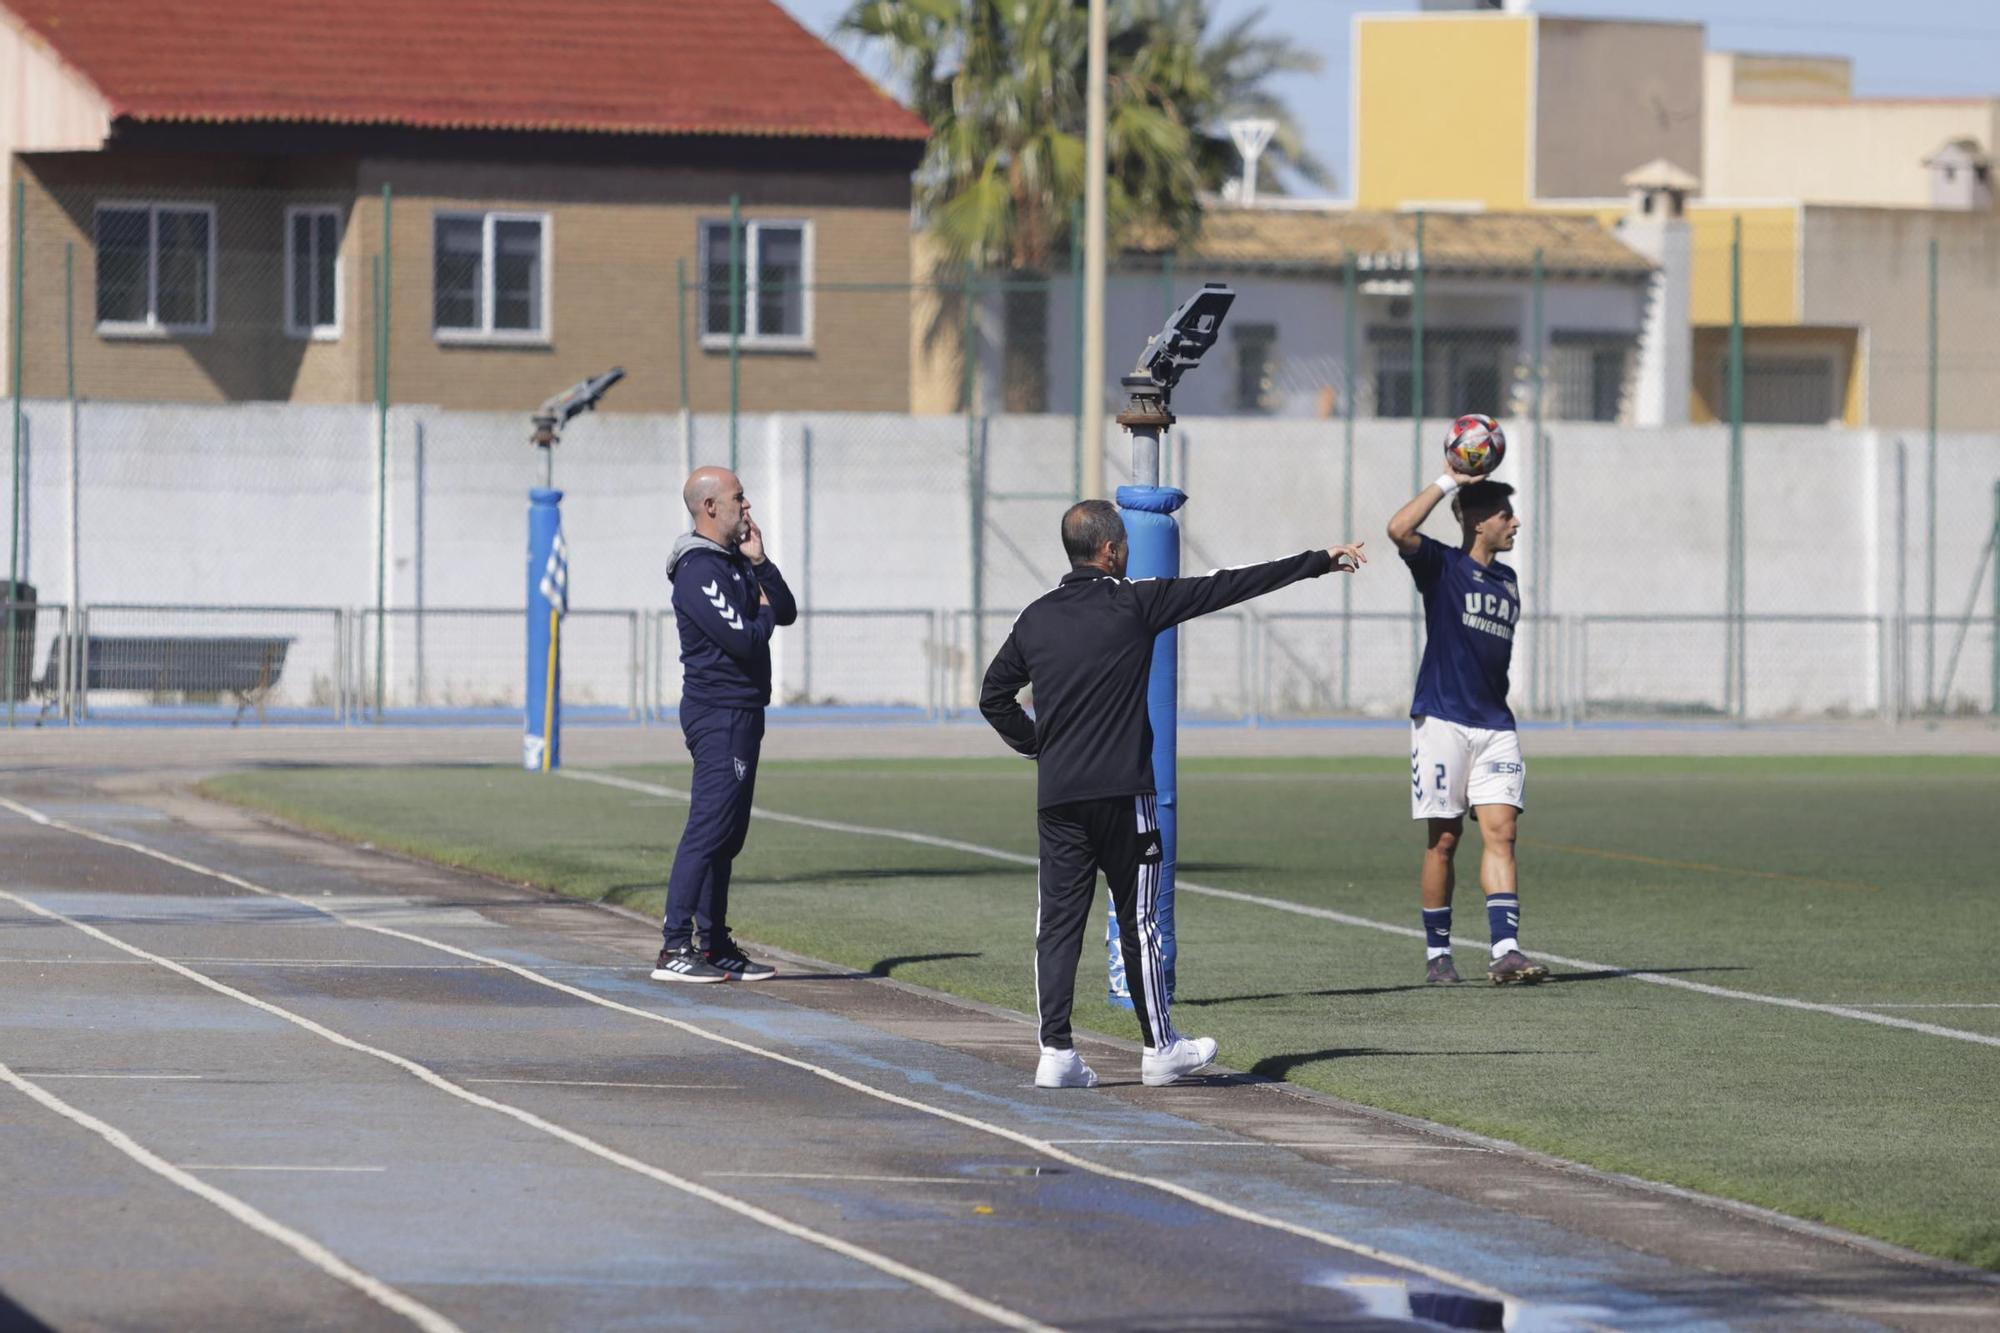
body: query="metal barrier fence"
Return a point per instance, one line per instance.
(472, 661)
(37, 633)
(1314, 664)
(833, 657)
(207, 663)
(318, 664)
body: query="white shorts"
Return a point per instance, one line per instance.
(1453, 767)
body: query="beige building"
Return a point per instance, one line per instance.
(1790, 127)
(223, 213)
(1836, 198)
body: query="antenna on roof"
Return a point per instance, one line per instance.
(1251, 138)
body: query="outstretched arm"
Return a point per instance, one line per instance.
(1167, 602)
(1005, 679)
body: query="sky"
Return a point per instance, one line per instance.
(1912, 48)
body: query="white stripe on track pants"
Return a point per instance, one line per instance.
(1121, 836)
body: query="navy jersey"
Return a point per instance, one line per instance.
(1470, 613)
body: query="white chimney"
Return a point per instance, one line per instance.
(1961, 177)
(1655, 225)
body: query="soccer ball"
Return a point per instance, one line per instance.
(1475, 445)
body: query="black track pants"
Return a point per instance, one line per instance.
(1121, 836)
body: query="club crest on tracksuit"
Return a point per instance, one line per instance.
(741, 769)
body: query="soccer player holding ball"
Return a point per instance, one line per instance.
(1464, 752)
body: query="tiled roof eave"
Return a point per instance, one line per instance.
(450, 124)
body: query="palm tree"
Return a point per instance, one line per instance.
(1001, 83)
(1237, 65)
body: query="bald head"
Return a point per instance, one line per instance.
(714, 499)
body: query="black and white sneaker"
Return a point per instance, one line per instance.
(686, 964)
(733, 963)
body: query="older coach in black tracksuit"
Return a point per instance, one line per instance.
(1085, 649)
(727, 600)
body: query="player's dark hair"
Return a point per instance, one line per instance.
(1086, 526)
(1474, 504)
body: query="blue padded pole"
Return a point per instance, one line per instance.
(541, 741)
(1154, 539)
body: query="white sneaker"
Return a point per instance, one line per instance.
(1181, 1056)
(1063, 1069)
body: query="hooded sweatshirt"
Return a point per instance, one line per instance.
(725, 631)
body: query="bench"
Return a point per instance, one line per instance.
(245, 666)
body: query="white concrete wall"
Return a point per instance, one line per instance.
(270, 506)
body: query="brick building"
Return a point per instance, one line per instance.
(533, 173)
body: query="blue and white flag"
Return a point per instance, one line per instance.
(555, 578)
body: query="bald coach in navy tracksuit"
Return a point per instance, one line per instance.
(728, 598)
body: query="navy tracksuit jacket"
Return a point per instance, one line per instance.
(725, 684)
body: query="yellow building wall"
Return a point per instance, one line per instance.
(1842, 347)
(1444, 109)
(1770, 264)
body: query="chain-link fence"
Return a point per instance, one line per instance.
(1779, 504)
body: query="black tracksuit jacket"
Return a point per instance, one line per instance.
(1086, 649)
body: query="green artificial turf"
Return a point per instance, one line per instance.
(1858, 882)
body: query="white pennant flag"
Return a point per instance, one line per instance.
(555, 579)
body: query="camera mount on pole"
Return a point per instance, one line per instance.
(548, 576)
(1153, 540)
(1176, 349)
(555, 413)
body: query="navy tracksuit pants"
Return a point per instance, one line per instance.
(725, 743)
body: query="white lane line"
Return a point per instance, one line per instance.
(276, 1166)
(1256, 1143)
(1318, 913)
(828, 1175)
(1928, 1006)
(937, 1286)
(594, 1083)
(1221, 1207)
(47, 1074)
(304, 1246)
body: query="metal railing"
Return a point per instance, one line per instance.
(469, 662)
(316, 664)
(194, 663)
(1717, 667)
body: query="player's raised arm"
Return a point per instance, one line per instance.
(1403, 524)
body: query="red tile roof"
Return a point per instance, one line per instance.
(711, 67)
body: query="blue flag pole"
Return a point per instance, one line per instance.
(548, 598)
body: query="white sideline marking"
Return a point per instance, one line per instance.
(1928, 1006)
(937, 1286)
(1213, 1204)
(828, 1175)
(157, 1076)
(304, 1246)
(1319, 913)
(272, 1166)
(1258, 1143)
(592, 1083)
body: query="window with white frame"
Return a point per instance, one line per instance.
(155, 268)
(490, 276)
(775, 261)
(312, 272)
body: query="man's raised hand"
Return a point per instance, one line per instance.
(1347, 559)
